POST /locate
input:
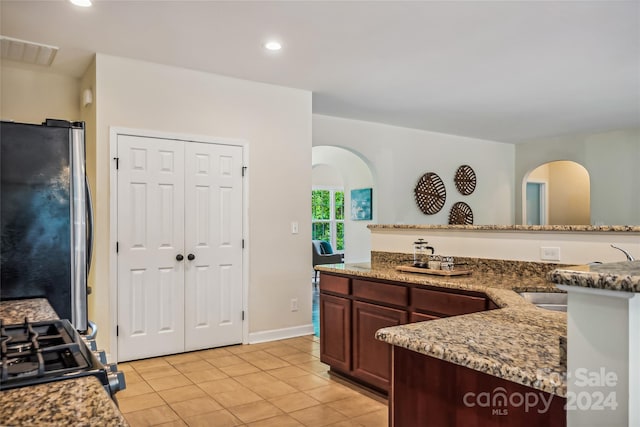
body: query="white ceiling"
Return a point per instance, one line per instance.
(507, 71)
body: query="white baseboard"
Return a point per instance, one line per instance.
(280, 334)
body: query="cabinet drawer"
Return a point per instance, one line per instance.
(446, 303)
(381, 292)
(335, 284)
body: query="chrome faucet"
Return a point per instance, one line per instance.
(629, 256)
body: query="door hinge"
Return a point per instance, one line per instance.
(242, 314)
(117, 330)
(244, 169)
(117, 247)
(117, 159)
(242, 243)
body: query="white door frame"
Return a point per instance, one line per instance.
(114, 131)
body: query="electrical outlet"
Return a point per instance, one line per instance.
(550, 253)
(294, 227)
(294, 304)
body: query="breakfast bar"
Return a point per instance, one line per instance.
(509, 344)
(603, 332)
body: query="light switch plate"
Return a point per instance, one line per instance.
(294, 227)
(549, 253)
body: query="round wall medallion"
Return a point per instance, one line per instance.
(461, 214)
(465, 180)
(430, 193)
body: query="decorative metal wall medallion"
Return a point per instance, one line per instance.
(461, 214)
(430, 193)
(465, 180)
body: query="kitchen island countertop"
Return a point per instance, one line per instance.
(517, 342)
(614, 276)
(75, 402)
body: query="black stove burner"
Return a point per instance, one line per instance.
(34, 352)
(23, 369)
(19, 347)
(41, 352)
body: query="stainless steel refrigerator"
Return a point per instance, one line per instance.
(46, 216)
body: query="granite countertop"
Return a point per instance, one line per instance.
(74, 402)
(517, 342)
(614, 276)
(36, 310)
(490, 227)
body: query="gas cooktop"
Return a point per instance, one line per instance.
(39, 352)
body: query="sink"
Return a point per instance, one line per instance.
(549, 300)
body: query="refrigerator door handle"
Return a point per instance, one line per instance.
(79, 268)
(94, 330)
(89, 224)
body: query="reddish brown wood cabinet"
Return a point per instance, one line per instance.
(446, 303)
(430, 392)
(352, 310)
(371, 357)
(335, 343)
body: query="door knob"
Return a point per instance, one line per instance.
(191, 257)
(179, 257)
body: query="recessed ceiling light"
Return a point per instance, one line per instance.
(272, 45)
(83, 3)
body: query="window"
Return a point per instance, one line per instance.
(327, 216)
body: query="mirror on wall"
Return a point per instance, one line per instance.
(557, 193)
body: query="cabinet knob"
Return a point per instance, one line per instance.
(179, 257)
(191, 257)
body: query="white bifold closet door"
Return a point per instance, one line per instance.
(179, 246)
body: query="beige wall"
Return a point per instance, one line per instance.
(276, 123)
(575, 247)
(540, 174)
(326, 176)
(88, 115)
(567, 190)
(569, 197)
(611, 159)
(397, 157)
(31, 95)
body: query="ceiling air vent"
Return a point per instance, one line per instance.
(27, 52)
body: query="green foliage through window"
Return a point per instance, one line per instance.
(327, 217)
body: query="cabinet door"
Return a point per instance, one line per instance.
(335, 332)
(372, 358)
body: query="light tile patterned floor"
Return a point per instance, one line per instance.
(280, 384)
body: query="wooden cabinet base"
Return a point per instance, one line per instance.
(430, 392)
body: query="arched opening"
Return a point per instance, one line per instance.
(336, 172)
(557, 193)
(333, 166)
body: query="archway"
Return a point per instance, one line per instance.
(557, 193)
(354, 173)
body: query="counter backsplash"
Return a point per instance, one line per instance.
(482, 265)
